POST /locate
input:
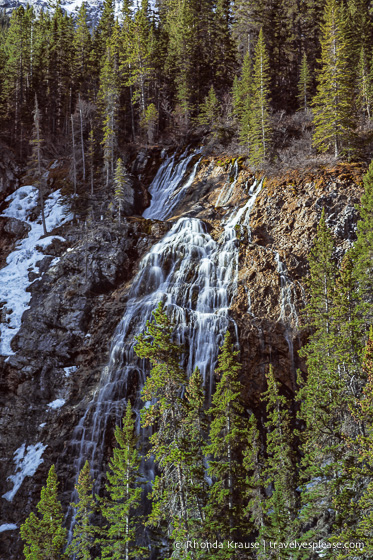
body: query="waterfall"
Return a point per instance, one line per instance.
(196, 277)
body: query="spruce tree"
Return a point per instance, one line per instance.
(84, 533)
(165, 412)
(44, 535)
(364, 86)
(304, 84)
(279, 472)
(124, 495)
(122, 186)
(363, 249)
(228, 436)
(242, 99)
(36, 161)
(82, 69)
(209, 111)
(333, 105)
(259, 122)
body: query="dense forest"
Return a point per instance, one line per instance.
(274, 78)
(279, 82)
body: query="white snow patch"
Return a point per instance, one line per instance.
(42, 425)
(14, 277)
(58, 403)
(27, 460)
(69, 370)
(7, 527)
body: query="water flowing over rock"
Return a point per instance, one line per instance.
(221, 248)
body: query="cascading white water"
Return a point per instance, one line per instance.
(169, 185)
(228, 188)
(196, 278)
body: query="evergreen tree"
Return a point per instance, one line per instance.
(333, 104)
(364, 86)
(124, 490)
(259, 125)
(363, 248)
(328, 397)
(82, 53)
(44, 536)
(194, 431)
(304, 84)
(223, 54)
(84, 533)
(163, 389)
(122, 187)
(242, 99)
(209, 110)
(279, 472)
(228, 436)
(36, 161)
(109, 104)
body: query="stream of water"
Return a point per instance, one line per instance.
(196, 277)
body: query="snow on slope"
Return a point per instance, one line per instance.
(7, 527)
(27, 460)
(14, 277)
(94, 7)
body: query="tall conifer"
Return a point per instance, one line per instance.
(333, 104)
(259, 123)
(44, 535)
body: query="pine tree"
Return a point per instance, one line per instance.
(304, 84)
(328, 396)
(223, 52)
(124, 490)
(332, 105)
(194, 431)
(279, 472)
(122, 187)
(364, 250)
(163, 389)
(364, 86)
(259, 125)
(242, 99)
(44, 536)
(228, 436)
(82, 53)
(36, 161)
(84, 533)
(109, 104)
(209, 111)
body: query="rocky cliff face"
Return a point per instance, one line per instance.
(64, 340)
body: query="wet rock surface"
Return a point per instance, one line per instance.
(78, 301)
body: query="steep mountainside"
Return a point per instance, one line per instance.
(225, 247)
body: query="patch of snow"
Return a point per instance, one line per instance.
(69, 370)
(58, 403)
(7, 527)
(27, 460)
(14, 277)
(42, 425)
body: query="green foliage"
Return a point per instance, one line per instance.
(304, 84)
(209, 110)
(280, 509)
(228, 436)
(43, 535)
(259, 121)
(166, 413)
(333, 116)
(364, 250)
(124, 494)
(122, 185)
(84, 533)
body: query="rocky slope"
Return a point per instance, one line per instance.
(76, 303)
